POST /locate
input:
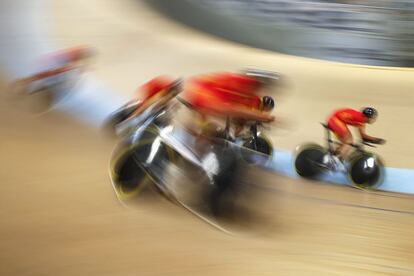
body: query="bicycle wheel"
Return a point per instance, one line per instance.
(128, 174)
(307, 160)
(366, 170)
(263, 146)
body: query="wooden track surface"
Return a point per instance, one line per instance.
(59, 215)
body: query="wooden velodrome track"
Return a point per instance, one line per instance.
(59, 214)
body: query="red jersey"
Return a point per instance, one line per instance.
(217, 91)
(235, 83)
(339, 120)
(349, 116)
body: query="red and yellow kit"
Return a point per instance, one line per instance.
(338, 122)
(217, 92)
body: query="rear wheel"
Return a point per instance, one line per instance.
(308, 159)
(262, 146)
(366, 170)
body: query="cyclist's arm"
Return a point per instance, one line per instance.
(365, 136)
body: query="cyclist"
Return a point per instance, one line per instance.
(56, 69)
(339, 121)
(230, 95)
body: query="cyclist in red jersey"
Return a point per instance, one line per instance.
(229, 95)
(55, 77)
(339, 121)
(61, 62)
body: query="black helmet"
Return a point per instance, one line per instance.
(369, 112)
(268, 102)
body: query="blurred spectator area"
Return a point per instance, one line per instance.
(374, 32)
(379, 18)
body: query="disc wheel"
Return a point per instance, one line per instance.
(263, 146)
(307, 160)
(366, 171)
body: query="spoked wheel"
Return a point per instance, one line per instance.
(366, 170)
(263, 146)
(308, 159)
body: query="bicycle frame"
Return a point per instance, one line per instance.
(328, 138)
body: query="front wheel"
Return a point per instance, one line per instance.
(308, 160)
(366, 171)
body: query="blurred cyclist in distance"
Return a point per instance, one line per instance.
(57, 72)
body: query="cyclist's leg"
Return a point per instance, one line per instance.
(344, 148)
(239, 126)
(343, 134)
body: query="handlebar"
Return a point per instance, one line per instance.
(359, 146)
(369, 144)
(354, 145)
